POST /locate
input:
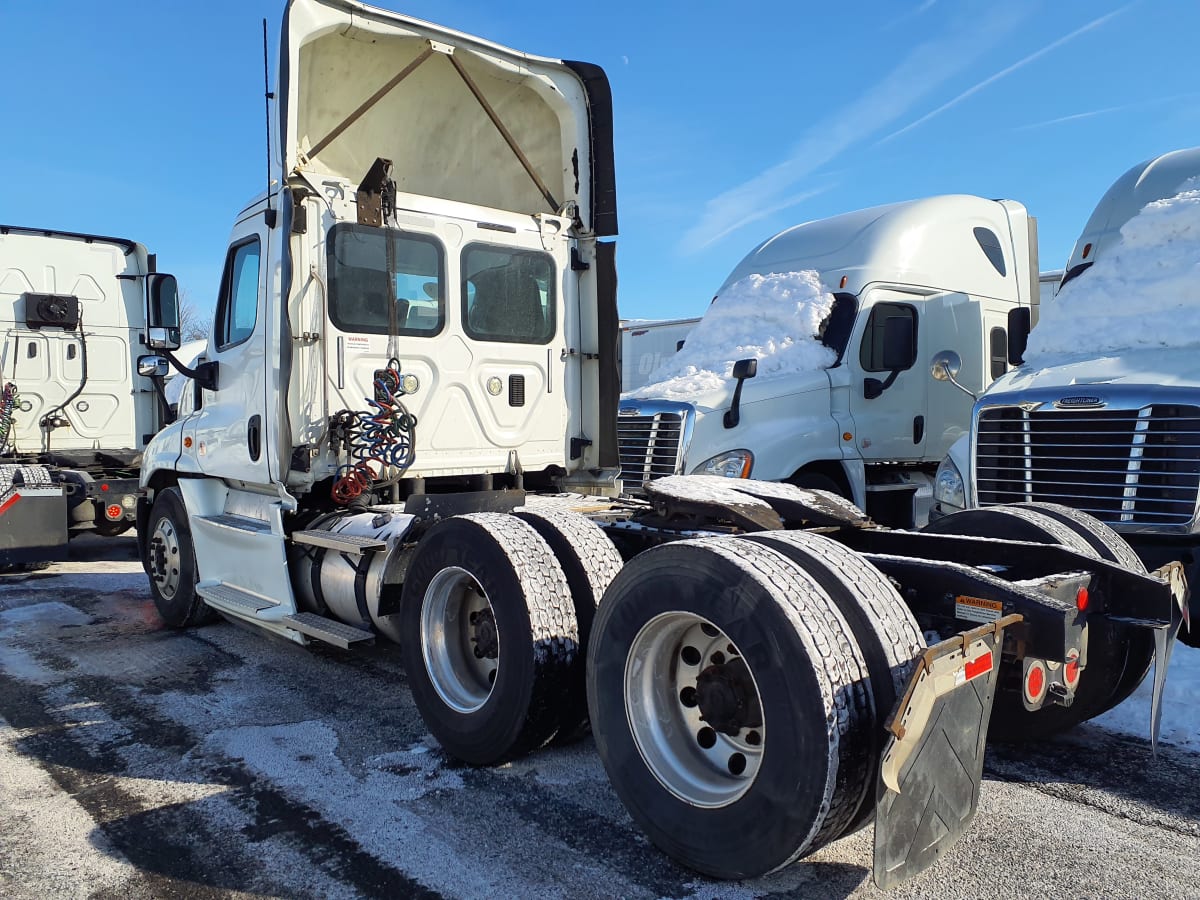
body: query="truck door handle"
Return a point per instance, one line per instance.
(918, 429)
(254, 437)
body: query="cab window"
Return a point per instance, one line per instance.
(383, 282)
(237, 309)
(871, 353)
(508, 295)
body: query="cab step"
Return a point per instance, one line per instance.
(226, 596)
(232, 522)
(328, 630)
(354, 544)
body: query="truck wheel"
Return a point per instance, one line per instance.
(488, 636)
(729, 707)
(171, 563)
(1138, 642)
(590, 561)
(1108, 647)
(882, 623)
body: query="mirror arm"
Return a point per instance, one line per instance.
(733, 415)
(954, 381)
(204, 374)
(873, 387)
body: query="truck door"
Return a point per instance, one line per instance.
(891, 425)
(228, 430)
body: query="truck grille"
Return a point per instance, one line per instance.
(1127, 467)
(649, 446)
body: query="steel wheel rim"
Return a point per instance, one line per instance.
(665, 659)
(165, 548)
(453, 619)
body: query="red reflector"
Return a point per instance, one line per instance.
(1087, 248)
(113, 511)
(9, 503)
(1034, 682)
(980, 666)
(1071, 672)
(104, 487)
(1081, 599)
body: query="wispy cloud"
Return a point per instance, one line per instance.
(924, 68)
(1124, 107)
(924, 7)
(992, 79)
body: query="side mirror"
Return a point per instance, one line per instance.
(162, 312)
(1019, 325)
(745, 368)
(742, 369)
(152, 366)
(899, 350)
(945, 365)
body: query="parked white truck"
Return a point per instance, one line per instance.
(406, 426)
(867, 420)
(1104, 416)
(74, 414)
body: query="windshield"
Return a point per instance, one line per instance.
(787, 321)
(1140, 294)
(362, 295)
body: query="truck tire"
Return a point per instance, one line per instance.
(488, 635)
(171, 564)
(1138, 642)
(704, 654)
(1108, 647)
(590, 561)
(883, 625)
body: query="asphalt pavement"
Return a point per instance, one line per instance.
(137, 761)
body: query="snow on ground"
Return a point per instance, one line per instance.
(772, 318)
(1140, 294)
(1181, 703)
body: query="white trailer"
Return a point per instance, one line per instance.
(646, 343)
(405, 425)
(74, 413)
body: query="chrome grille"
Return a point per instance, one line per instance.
(649, 446)
(1127, 467)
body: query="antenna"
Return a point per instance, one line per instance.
(268, 96)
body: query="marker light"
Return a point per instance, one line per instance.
(1087, 248)
(1081, 599)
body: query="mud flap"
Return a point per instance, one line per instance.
(928, 787)
(33, 516)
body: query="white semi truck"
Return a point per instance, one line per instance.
(1107, 423)
(74, 413)
(405, 425)
(932, 275)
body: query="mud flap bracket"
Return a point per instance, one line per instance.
(932, 764)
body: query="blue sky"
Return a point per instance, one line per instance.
(145, 119)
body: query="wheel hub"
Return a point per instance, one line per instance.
(485, 637)
(727, 699)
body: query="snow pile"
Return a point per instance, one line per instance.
(1140, 294)
(1180, 716)
(772, 318)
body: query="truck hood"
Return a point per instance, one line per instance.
(455, 114)
(754, 390)
(1166, 367)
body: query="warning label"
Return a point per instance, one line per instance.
(976, 609)
(358, 342)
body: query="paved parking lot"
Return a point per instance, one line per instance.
(141, 762)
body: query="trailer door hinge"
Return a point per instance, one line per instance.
(577, 445)
(578, 263)
(562, 357)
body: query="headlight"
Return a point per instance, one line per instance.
(730, 464)
(948, 487)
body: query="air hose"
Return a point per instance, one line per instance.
(383, 435)
(9, 398)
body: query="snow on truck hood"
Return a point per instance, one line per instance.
(339, 55)
(1142, 292)
(772, 318)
